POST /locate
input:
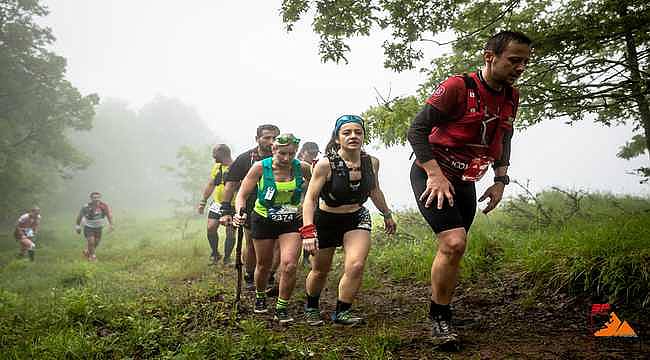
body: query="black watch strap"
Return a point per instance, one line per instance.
(505, 179)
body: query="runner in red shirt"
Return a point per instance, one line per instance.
(26, 230)
(465, 126)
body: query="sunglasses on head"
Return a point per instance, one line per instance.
(287, 139)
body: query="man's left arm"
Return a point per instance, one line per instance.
(501, 179)
(37, 223)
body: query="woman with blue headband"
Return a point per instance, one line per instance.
(275, 218)
(343, 180)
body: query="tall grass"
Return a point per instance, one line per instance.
(586, 244)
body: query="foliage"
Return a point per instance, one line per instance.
(557, 240)
(190, 175)
(37, 106)
(591, 57)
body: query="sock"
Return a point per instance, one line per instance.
(229, 244)
(313, 301)
(342, 306)
(260, 294)
(213, 239)
(437, 311)
(281, 304)
(249, 276)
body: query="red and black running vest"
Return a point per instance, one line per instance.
(478, 132)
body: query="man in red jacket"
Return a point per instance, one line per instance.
(465, 126)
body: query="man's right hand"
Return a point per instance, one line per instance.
(201, 209)
(438, 189)
(77, 229)
(239, 220)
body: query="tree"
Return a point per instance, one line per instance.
(190, 174)
(37, 106)
(591, 58)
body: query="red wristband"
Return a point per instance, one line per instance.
(308, 231)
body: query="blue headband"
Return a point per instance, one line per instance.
(346, 119)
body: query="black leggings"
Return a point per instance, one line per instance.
(449, 217)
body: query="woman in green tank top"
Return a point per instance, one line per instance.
(279, 182)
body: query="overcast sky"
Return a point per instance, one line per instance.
(235, 64)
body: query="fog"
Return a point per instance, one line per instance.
(230, 66)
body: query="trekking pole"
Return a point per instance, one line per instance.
(238, 262)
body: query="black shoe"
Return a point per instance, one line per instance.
(260, 306)
(443, 335)
(30, 254)
(282, 316)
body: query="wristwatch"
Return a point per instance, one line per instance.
(505, 179)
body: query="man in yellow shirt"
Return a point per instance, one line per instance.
(214, 189)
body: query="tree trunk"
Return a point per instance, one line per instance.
(640, 98)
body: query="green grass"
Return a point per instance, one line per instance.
(152, 295)
(601, 249)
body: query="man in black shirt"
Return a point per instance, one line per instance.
(238, 169)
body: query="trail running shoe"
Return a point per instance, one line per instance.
(30, 254)
(312, 316)
(260, 306)
(282, 316)
(443, 335)
(346, 318)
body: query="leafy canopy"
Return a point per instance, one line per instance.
(590, 56)
(37, 106)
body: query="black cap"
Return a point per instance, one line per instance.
(309, 146)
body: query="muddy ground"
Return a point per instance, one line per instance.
(497, 319)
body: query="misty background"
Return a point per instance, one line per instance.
(205, 72)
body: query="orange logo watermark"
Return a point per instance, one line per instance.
(615, 327)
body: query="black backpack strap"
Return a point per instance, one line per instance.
(470, 84)
(219, 177)
(509, 94)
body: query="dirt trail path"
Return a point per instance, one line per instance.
(489, 316)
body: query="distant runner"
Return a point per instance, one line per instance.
(93, 217)
(26, 230)
(215, 188)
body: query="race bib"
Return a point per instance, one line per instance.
(215, 207)
(29, 232)
(284, 214)
(477, 168)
